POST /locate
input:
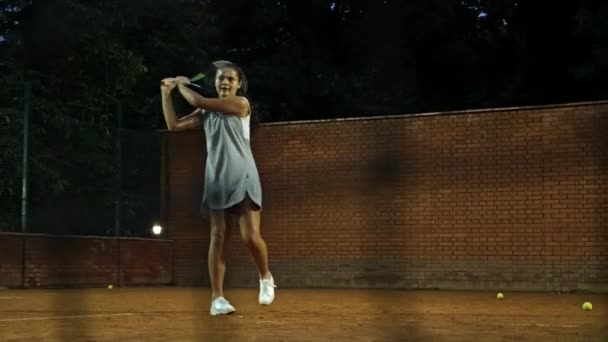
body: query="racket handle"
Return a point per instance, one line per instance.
(163, 83)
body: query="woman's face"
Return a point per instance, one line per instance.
(227, 82)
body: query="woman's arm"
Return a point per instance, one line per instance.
(190, 121)
(232, 105)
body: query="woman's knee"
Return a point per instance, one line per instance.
(218, 229)
(251, 237)
(218, 236)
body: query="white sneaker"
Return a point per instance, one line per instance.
(220, 306)
(266, 296)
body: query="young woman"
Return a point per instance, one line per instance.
(232, 184)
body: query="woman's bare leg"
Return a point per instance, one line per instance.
(217, 257)
(249, 224)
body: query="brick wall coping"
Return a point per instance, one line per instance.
(399, 116)
(58, 236)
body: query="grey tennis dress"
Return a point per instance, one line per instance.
(230, 170)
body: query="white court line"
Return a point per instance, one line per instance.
(62, 317)
(546, 325)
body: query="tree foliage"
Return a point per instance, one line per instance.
(305, 60)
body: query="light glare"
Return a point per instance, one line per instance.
(157, 229)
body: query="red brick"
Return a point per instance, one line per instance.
(522, 189)
(83, 261)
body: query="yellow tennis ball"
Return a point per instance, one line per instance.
(587, 306)
(500, 296)
(110, 287)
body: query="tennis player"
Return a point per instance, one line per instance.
(232, 183)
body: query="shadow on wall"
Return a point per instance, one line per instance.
(385, 170)
(387, 175)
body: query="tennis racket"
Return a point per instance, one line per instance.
(193, 80)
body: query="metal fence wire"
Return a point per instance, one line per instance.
(65, 173)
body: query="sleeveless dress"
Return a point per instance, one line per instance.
(230, 169)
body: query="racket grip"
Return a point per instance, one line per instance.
(164, 83)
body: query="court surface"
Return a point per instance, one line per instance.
(182, 314)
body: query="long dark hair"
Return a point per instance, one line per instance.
(243, 90)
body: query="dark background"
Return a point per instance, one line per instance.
(89, 61)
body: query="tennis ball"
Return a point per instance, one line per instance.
(587, 306)
(110, 287)
(500, 296)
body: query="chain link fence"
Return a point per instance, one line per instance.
(73, 169)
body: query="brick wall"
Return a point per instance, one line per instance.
(83, 261)
(11, 260)
(513, 198)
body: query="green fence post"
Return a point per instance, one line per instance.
(118, 199)
(118, 192)
(26, 129)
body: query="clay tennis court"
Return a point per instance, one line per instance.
(181, 314)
